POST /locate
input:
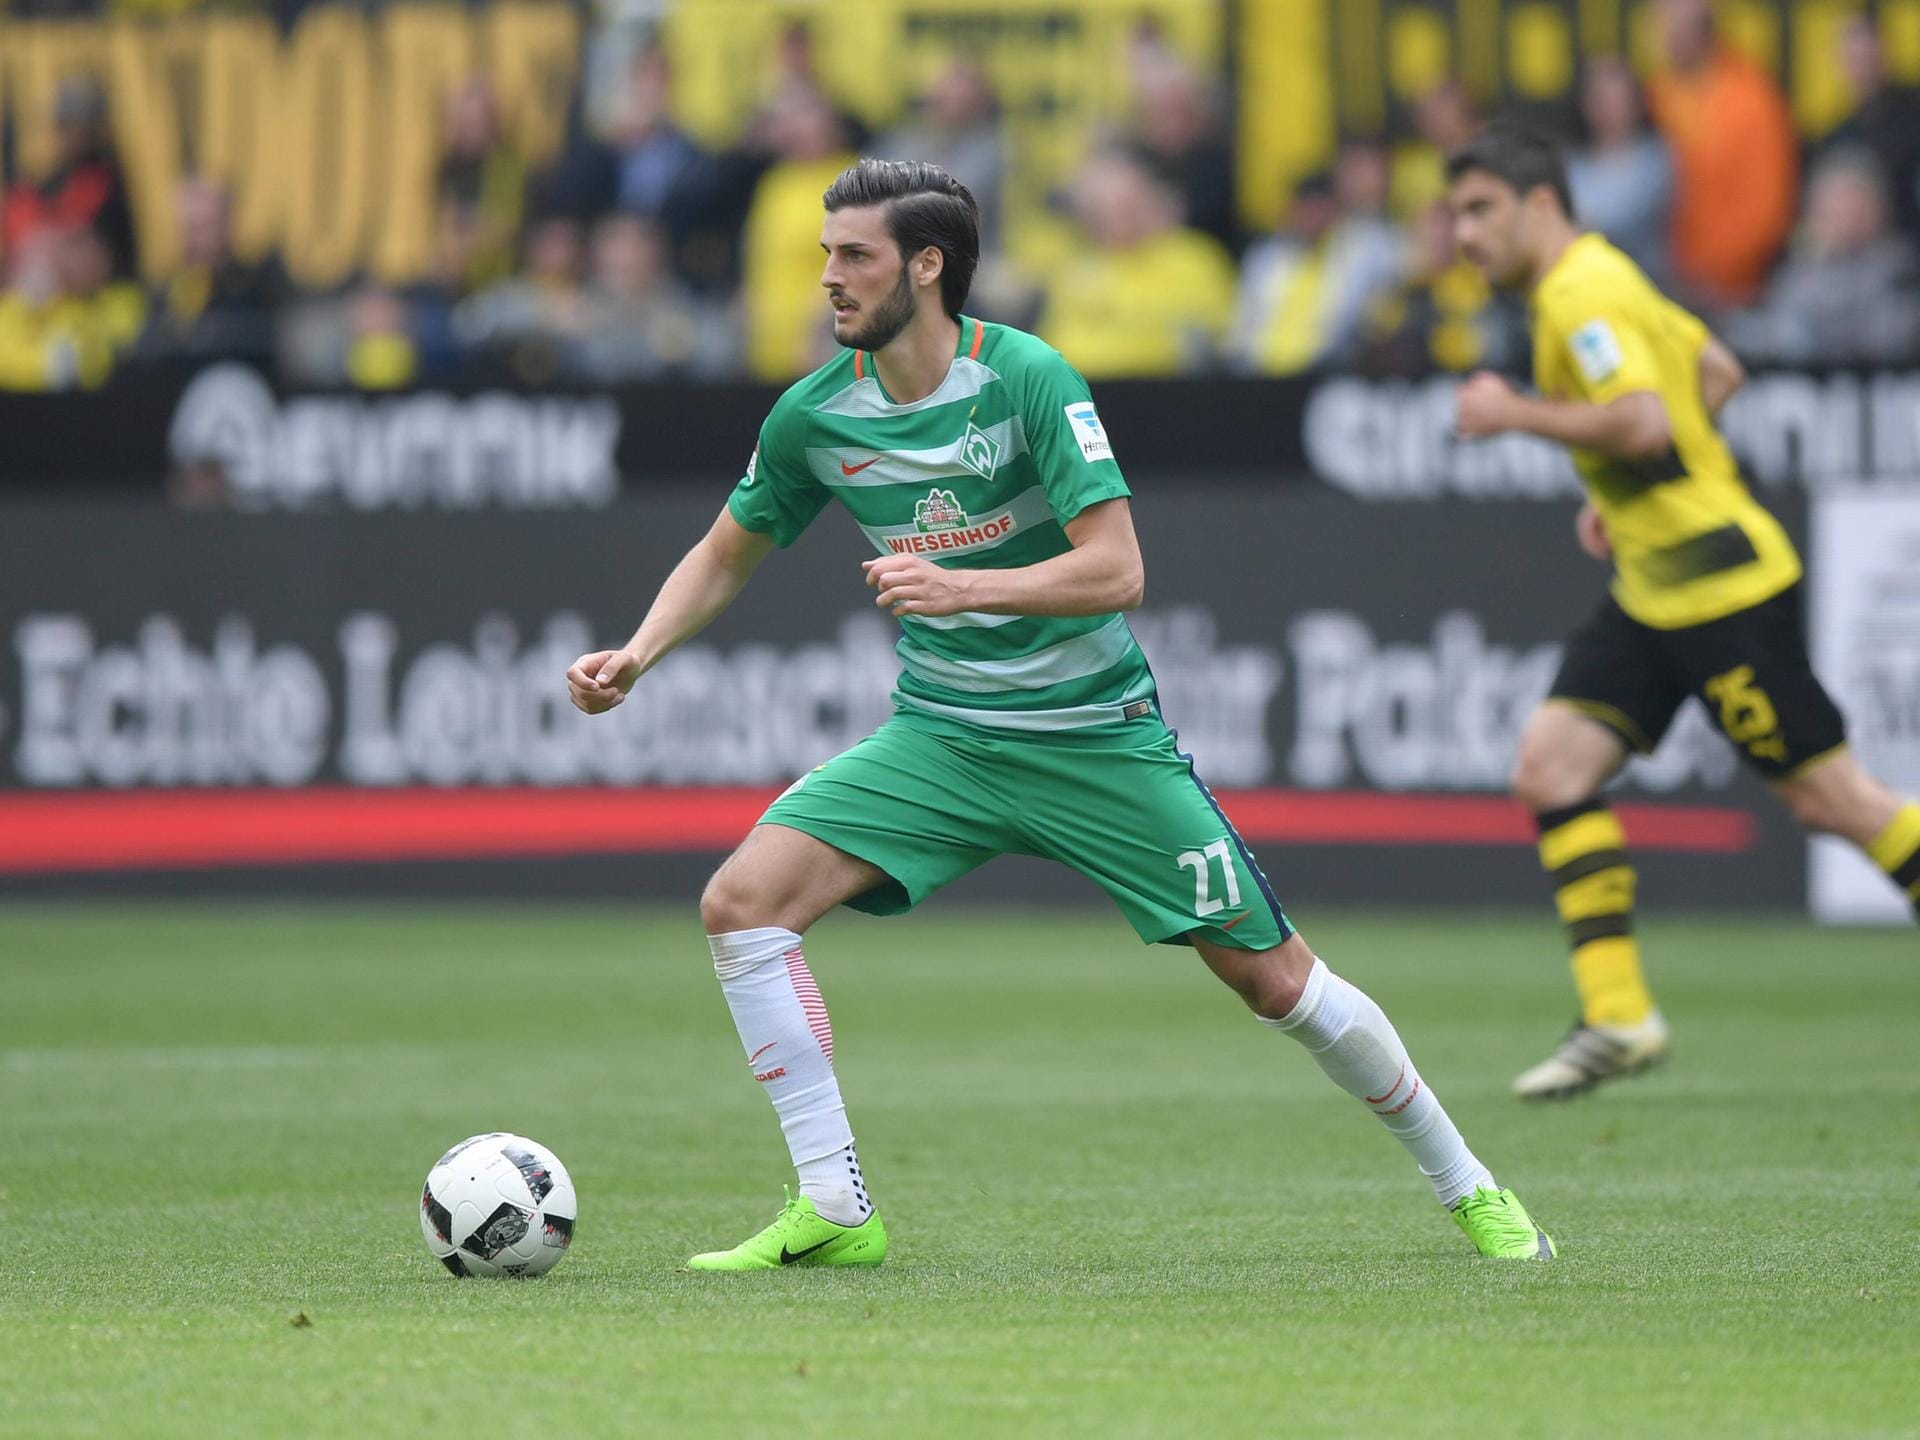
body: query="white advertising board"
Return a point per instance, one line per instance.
(1865, 636)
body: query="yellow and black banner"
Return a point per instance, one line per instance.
(323, 118)
(326, 132)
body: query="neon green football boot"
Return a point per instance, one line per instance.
(1498, 1224)
(799, 1235)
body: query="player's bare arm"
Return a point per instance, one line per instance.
(1103, 573)
(701, 586)
(1632, 427)
(1721, 375)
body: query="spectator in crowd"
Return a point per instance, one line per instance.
(213, 301)
(372, 338)
(1303, 291)
(956, 125)
(1140, 294)
(1363, 184)
(655, 160)
(1444, 120)
(719, 193)
(641, 322)
(796, 65)
(65, 319)
(1885, 120)
(1850, 292)
(710, 224)
(787, 326)
(1363, 181)
(1440, 316)
(1622, 178)
(532, 319)
(381, 353)
(1177, 130)
(482, 186)
(83, 190)
(710, 221)
(1736, 160)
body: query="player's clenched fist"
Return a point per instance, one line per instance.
(1484, 407)
(600, 681)
(909, 585)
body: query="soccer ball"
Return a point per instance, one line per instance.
(498, 1204)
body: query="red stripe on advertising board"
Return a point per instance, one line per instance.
(49, 832)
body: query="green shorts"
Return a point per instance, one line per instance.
(927, 801)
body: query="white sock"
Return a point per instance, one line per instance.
(783, 1024)
(1354, 1042)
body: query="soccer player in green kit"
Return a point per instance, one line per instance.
(1025, 717)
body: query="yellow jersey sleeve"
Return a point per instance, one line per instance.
(1602, 351)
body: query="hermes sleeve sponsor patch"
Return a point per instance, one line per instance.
(1088, 433)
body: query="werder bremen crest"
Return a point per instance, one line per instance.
(939, 511)
(979, 451)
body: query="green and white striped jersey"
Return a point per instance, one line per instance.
(982, 474)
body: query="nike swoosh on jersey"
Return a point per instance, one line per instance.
(846, 469)
(787, 1257)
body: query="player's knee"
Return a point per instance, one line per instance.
(1274, 989)
(714, 909)
(1541, 782)
(1816, 809)
(725, 905)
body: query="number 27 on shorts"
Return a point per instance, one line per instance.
(1204, 903)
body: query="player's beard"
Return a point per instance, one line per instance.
(1509, 271)
(894, 315)
(1509, 265)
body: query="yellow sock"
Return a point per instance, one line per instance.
(1612, 989)
(1584, 849)
(1897, 851)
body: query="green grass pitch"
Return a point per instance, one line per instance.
(1119, 1206)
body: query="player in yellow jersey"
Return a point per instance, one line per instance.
(1706, 595)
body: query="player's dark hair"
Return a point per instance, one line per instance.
(925, 206)
(1524, 158)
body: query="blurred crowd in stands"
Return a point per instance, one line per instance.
(639, 255)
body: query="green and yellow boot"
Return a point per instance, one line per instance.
(1498, 1224)
(800, 1235)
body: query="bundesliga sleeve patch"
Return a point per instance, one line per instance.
(1595, 351)
(753, 463)
(1088, 432)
